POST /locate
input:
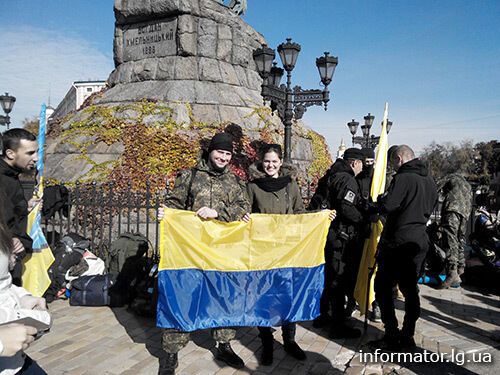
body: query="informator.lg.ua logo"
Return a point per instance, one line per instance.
(458, 358)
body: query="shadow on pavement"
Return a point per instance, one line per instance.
(470, 313)
(486, 298)
(143, 330)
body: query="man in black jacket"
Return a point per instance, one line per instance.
(320, 201)
(20, 154)
(408, 205)
(345, 198)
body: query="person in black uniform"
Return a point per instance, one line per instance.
(408, 205)
(364, 180)
(344, 197)
(321, 201)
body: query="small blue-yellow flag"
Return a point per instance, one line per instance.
(35, 266)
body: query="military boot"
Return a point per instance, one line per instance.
(322, 320)
(168, 364)
(266, 357)
(452, 280)
(343, 331)
(292, 348)
(226, 354)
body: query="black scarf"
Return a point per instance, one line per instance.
(215, 168)
(270, 184)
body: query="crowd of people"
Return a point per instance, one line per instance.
(212, 191)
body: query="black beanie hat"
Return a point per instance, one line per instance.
(353, 153)
(390, 151)
(221, 141)
(369, 153)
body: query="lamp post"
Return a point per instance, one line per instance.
(7, 101)
(366, 140)
(286, 101)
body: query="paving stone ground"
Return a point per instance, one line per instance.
(99, 340)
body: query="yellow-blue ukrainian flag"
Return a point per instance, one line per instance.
(264, 273)
(35, 271)
(364, 292)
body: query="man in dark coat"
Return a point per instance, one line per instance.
(408, 205)
(343, 196)
(320, 201)
(19, 154)
(364, 180)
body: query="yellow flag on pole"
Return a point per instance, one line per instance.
(363, 292)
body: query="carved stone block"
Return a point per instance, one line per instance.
(209, 70)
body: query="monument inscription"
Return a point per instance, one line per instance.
(150, 39)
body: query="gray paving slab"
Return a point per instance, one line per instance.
(86, 340)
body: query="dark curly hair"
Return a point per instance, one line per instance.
(273, 147)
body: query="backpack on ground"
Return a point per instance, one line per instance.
(144, 289)
(91, 291)
(67, 253)
(128, 245)
(124, 262)
(89, 265)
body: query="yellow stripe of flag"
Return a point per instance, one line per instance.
(267, 242)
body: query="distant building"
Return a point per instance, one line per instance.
(341, 150)
(49, 111)
(79, 91)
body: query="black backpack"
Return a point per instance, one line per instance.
(144, 289)
(321, 197)
(67, 253)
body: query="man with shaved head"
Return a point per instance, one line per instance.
(408, 204)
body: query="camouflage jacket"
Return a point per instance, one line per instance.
(456, 195)
(221, 191)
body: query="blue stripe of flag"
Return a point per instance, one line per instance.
(192, 299)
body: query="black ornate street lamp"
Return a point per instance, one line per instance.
(365, 140)
(7, 101)
(287, 102)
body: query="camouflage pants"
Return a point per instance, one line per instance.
(174, 340)
(453, 228)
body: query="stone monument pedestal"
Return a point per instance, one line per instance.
(183, 70)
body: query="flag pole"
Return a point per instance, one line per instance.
(377, 187)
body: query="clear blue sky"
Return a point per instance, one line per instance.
(437, 62)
